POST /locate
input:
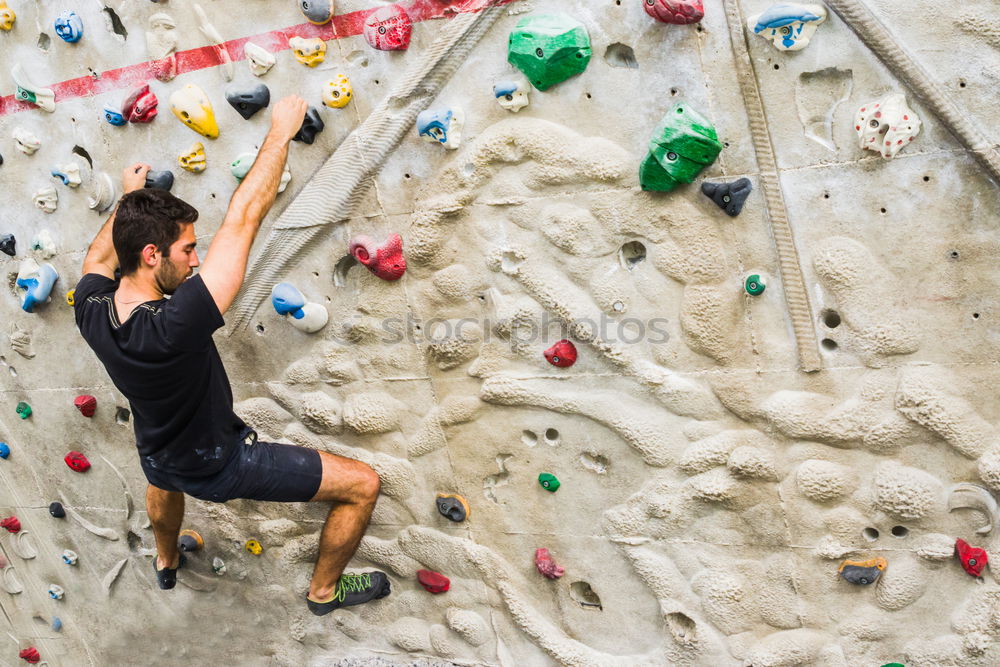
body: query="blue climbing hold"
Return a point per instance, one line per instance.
(288, 300)
(4, 450)
(69, 27)
(56, 624)
(113, 115)
(37, 286)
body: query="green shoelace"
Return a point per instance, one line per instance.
(351, 583)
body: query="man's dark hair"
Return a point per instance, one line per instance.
(148, 216)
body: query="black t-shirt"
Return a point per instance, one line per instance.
(164, 360)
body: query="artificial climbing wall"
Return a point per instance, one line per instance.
(722, 452)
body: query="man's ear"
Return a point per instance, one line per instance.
(150, 255)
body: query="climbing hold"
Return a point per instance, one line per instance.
(259, 59)
(77, 461)
(56, 510)
(549, 482)
(11, 524)
(69, 174)
(190, 540)
(388, 28)
(27, 91)
(8, 244)
(441, 126)
(754, 285)
(886, 125)
(69, 27)
(25, 141)
(161, 45)
(789, 26)
(69, 297)
(730, 197)
(683, 144)
(218, 566)
(56, 624)
(102, 192)
(114, 116)
(56, 592)
(862, 572)
(43, 244)
(161, 180)
(973, 559)
(312, 125)
(30, 654)
(337, 92)
(7, 16)
(87, 405)
(4, 450)
(36, 283)
(433, 582)
(972, 496)
(512, 94)
(254, 547)
(248, 101)
(191, 106)
(317, 11)
(385, 261)
(23, 410)
(140, 106)
(194, 160)
(69, 557)
(549, 48)
(546, 566)
(310, 52)
(678, 12)
(240, 167)
(562, 354)
(47, 199)
(303, 315)
(453, 507)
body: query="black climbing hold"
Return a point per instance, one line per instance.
(730, 197)
(453, 507)
(250, 100)
(7, 243)
(312, 125)
(56, 510)
(161, 180)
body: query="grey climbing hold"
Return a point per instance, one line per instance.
(453, 507)
(248, 100)
(312, 125)
(317, 11)
(730, 197)
(56, 510)
(161, 180)
(7, 244)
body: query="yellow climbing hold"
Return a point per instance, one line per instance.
(69, 297)
(7, 16)
(191, 106)
(337, 93)
(194, 160)
(253, 546)
(309, 52)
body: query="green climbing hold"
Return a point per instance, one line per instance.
(754, 285)
(549, 48)
(23, 410)
(893, 664)
(684, 143)
(548, 482)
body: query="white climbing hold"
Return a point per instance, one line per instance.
(259, 60)
(27, 91)
(44, 244)
(102, 194)
(213, 36)
(46, 199)
(25, 141)
(69, 174)
(886, 125)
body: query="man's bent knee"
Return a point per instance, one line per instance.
(372, 485)
(347, 481)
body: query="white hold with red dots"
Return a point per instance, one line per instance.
(887, 125)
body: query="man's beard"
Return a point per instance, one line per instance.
(168, 278)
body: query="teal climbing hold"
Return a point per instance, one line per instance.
(23, 410)
(549, 482)
(754, 285)
(683, 144)
(549, 48)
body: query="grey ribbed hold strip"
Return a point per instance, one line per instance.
(796, 296)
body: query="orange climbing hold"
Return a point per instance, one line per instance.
(190, 540)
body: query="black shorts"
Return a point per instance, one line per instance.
(255, 471)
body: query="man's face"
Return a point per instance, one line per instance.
(179, 264)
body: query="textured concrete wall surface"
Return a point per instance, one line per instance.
(721, 454)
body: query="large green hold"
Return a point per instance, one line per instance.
(549, 48)
(683, 145)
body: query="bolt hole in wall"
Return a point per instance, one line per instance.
(900, 531)
(122, 415)
(831, 318)
(953, 254)
(870, 534)
(585, 596)
(260, 329)
(674, 92)
(882, 211)
(828, 344)
(975, 316)
(552, 436)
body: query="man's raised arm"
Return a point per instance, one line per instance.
(101, 257)
(225, 263)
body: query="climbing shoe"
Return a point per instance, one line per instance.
(352, 589)
(167, 577)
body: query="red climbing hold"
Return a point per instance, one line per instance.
(678, 12)
(546, 566)
(87, 405)
(77, 461)
(140, 105)
(561, 354)
(434, 582)
(973, 559)
(30, 654)
(388, 28)
(11, 524)
(386, 261)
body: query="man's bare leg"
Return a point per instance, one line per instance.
(166, 512)
(353, 488)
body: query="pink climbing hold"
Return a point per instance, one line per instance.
(11, 524)
(434, 582)
(30, 654)
(140, 105)
(77, 461)
(87, 405)
(385, 261)
(678, 12)
(388, 28)
(546, 566)
(562, 354)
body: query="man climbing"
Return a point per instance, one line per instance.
(160, 354)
